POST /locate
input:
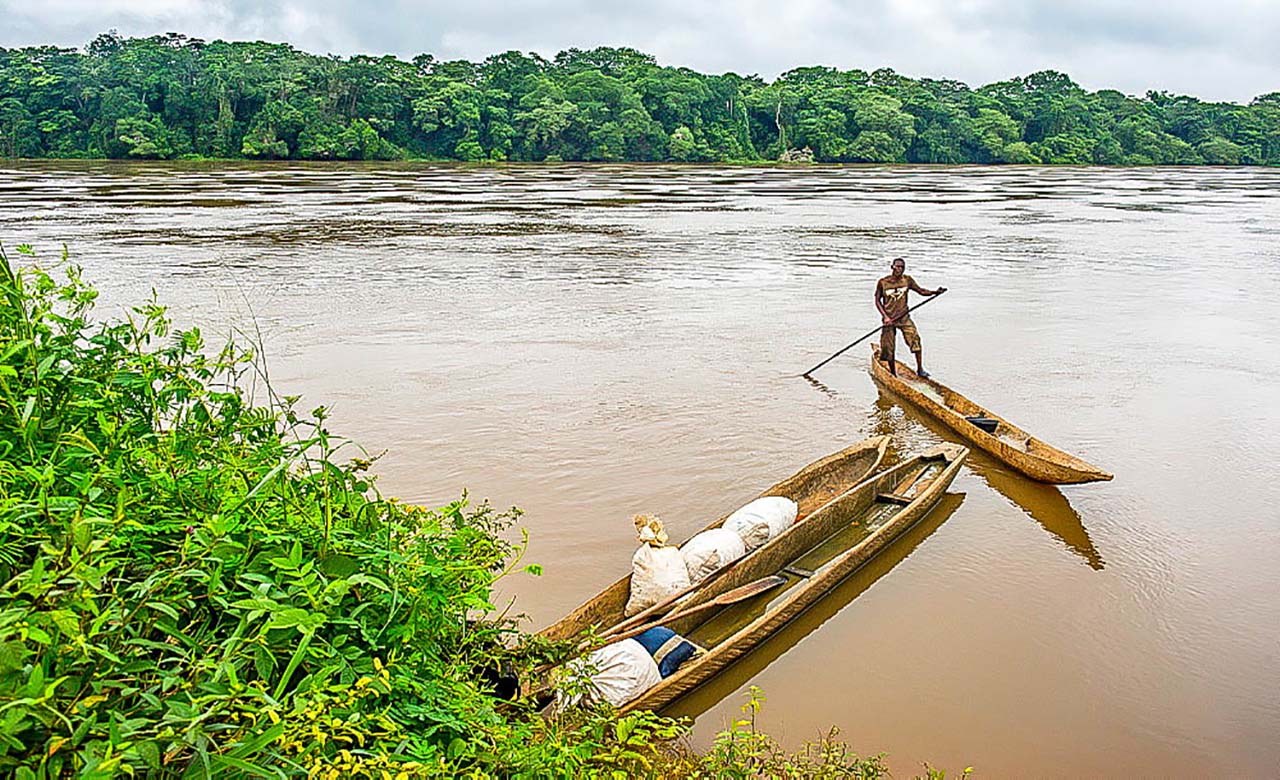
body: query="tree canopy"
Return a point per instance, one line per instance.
(170, 96)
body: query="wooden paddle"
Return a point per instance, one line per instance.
(648, 612)
(869, 335)
(741, 593)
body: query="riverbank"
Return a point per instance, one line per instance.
(409, 163)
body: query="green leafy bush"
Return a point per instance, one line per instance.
(192, 583)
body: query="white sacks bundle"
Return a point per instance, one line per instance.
(710, 550)
(762, 520)
(616, 673)
(656, 571)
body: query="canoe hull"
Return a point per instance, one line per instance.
(811, 487)
(1012, 445)
(700, 669)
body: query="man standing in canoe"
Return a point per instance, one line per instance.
(891, 300)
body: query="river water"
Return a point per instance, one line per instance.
(588, 342)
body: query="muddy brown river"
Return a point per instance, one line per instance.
(588, 342)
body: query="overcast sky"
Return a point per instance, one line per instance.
(1217, 50)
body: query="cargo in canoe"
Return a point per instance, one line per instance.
(1005, 441)
(814, 556)
(811, 487)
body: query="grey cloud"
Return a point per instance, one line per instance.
(1220, 51)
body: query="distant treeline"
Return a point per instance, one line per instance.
(171, 96)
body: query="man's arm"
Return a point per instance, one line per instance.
(884, 315)
(926, 293)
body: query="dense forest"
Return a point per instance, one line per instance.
(171, 96)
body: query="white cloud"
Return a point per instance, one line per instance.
(1224, 50)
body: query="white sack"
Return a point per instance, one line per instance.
(762, 519)
(656, 572)
(710, 550)
(618, 673)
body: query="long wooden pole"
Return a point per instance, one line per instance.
(740, 593)
(870, 334)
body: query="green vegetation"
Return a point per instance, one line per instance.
(170, 97)
(194, 584)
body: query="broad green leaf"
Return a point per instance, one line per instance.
(166, 609)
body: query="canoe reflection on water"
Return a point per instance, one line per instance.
(1046, 504)
(746, 668)
(1043, 503)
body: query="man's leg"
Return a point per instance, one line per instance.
(912, 337)
(888, 339)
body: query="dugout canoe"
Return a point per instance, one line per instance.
(814, 556)
(811, 487)
(1008, 443)
(736, 676)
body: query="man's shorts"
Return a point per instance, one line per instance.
(889, 337)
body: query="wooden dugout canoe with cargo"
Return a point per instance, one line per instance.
(1007, 442)
(811, 487)
(814, 556)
